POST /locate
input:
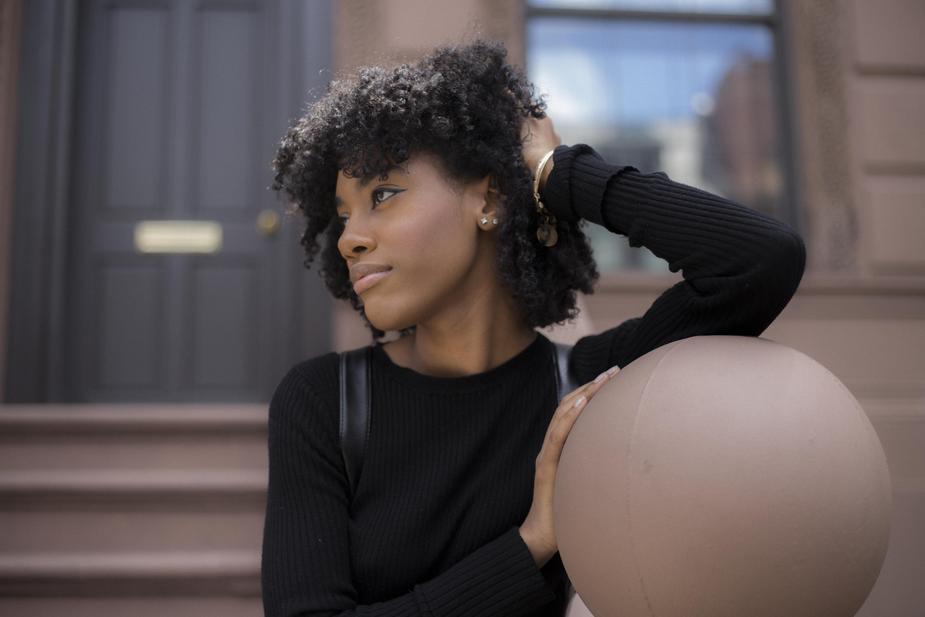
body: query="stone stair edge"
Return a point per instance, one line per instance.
(112, 574)
(40, 418)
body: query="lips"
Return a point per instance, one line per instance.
(365, 275)
(369, 280)
(358, 271)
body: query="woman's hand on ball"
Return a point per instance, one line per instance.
(538, 529)
(538, 136)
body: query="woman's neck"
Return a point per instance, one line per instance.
(457, 357)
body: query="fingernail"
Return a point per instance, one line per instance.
(612, 370)
(581, 401)
(601, 377)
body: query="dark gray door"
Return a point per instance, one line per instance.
(178, 108)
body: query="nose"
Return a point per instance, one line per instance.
(355, 239)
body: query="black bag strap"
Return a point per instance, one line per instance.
(355, 387)
(565, 382)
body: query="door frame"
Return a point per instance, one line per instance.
(39, 247)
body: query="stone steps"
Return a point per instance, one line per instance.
(128, 509)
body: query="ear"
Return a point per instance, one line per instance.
(493, 190)
(487, 197)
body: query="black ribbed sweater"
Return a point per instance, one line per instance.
(449, 468)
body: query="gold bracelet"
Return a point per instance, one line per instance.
(546, 232)
(539, 174)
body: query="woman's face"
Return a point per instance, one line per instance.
(422, 227)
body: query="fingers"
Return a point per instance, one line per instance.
(594, 385)
(540, 517)
(563, 426)
(547, 462)
(543, 127)
(531, 126)
(526, 134)
(565, 415)
(538, 137)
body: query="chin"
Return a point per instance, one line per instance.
(387, 318)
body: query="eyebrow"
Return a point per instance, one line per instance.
(366, 179)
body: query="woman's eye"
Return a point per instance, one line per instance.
(376, 192)
(380, 191)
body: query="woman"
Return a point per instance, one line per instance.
(424, 175)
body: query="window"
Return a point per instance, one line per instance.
(688, 87)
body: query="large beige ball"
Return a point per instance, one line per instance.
(723, 476)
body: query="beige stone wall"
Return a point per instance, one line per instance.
(858, 69)
(886, 99)
(388, 32)
(817, 75)
(884, 351)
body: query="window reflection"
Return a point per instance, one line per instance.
(694, 100)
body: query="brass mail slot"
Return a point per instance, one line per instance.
(178, 236)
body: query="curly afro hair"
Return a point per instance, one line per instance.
(464, 104)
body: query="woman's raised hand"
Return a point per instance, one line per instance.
(538, 136)
(538, 530)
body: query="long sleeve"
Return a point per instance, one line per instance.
(740, 266)
(305, 561)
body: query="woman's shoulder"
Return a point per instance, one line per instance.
(310, 382)
(305, 403)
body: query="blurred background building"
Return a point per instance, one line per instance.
(151, 286)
